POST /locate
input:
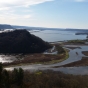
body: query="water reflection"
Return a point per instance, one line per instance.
(73, 70)
(68, 70)
(7, 58)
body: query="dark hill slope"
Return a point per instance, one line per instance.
(21, 41)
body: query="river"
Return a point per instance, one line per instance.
(69, 70)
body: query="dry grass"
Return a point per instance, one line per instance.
(82, 62)
(50, 79)
(85, 53)
(74, 47)
(36, 58)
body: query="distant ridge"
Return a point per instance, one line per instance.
(45, 28)
(34, 28)
(20, 27)
(5, 26)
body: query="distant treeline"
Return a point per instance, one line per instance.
(77, 41)
(83, 33)
(21, 41)
(11, 79)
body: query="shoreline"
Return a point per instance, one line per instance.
(47, 58)
(82, 62)
(40, 59)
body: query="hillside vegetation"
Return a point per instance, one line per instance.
(21, 41)
(40, 79)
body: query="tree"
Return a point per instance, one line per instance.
(6, 81)
(15, 75)
(20, 76)
(1, 69)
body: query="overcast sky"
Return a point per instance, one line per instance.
(45, 13)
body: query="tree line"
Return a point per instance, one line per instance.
(10, 79)
(18, 78)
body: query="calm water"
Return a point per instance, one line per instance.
(52, 36)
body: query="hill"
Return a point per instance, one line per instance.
(5, 26)
(34, 28)
(21, 41)
(20, 27)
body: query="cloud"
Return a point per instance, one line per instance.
(20, 3)
(11, 10)
(76, 0)
(14, 16)
(27, 16)
(80, 0)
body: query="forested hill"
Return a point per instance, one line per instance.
(21, 41)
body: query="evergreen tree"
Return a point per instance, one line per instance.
(6, 82)
(15, 75)
(20, 76)
(1, 68)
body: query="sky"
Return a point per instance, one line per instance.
(45, 13)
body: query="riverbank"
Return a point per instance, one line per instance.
(85, 53)
(55, 55)
(73, 47)
(40, 58)
(82, 62)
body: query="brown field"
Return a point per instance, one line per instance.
(82, 62)
(68, 43)
(85, 53)
(36, 58)
(74, 47)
